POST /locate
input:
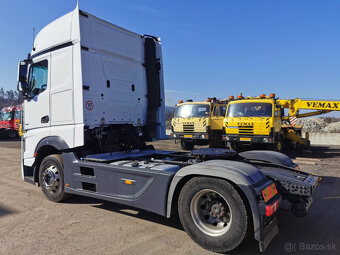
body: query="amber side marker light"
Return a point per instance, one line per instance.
(180, 101)
(263, 96)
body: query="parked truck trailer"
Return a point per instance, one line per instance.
(94, 95)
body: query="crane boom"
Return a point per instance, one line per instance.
(323, 106)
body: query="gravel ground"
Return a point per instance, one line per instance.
(30, 224)
(318, 125)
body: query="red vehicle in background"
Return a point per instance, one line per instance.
(10, 118)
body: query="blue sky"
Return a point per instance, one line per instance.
(210, 48)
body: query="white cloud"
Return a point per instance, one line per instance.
(144, 8)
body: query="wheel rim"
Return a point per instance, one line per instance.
(11, 134)
(51, 178)
(211, 212)
(279, 146)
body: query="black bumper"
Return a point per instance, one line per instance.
(192, 136)
(248, 139)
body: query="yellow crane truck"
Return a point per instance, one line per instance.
(262, 120)
(199, 123)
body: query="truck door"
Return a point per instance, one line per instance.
(277, 119)
(217, 117)
(37, 107)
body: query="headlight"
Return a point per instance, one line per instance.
(265, 140)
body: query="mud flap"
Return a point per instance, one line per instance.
(268, 233)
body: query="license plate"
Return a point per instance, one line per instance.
(188, 136)
(245, 139)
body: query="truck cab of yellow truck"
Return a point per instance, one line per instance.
(262, 120)
(199, 123)
(255, 120)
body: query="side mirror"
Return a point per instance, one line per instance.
(22, 86)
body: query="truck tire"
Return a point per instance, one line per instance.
(12, 134)
(187, 145)
(236, 147)
(213, 214)
(51, 178)
(278, 146)
(215, 141)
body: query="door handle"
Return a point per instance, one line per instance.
(45, 119)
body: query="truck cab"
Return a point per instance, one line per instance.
(199, 123)
(257, 121)
(94, 94)
(10, 118)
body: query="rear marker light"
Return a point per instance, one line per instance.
(271, 209)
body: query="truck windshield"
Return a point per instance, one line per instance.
(192, 111)
(5, 116)
(250, 110)
(17, 115)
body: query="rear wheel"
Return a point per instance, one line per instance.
(187, 145)
(51, 178)
(213, 214)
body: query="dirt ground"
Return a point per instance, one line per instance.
(30, 224)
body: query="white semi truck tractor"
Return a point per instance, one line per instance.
(94, 96)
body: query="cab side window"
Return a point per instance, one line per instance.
(37, 79)
(223, 109)
(216, 111)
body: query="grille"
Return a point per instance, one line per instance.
(245, 130)
(188, 128)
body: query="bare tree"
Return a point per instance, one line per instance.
(9, 97)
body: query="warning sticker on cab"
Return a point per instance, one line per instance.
(269, 192)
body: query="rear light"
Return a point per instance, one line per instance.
(171, 134)
(271, 209)
(297, 167)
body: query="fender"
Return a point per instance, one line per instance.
(269, 156)
(54, 141)
(244, 175)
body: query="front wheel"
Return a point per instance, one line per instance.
(213, 214)
(51, 178)
(12, 134)
(278, 146)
